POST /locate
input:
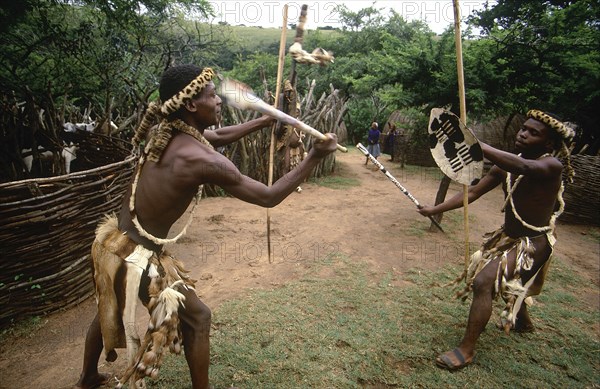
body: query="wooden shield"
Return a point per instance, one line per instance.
(454, 147)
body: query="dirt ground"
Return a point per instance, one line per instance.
(226, 251)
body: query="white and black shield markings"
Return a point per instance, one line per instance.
(454, 147)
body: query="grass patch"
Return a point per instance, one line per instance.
(415, 172)
(357, 330)
(418, 228)
(455, 219)
(593, 234)
(336, 182)
(22, 328)
(452, 221)
(253, 38)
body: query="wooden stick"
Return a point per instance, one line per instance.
(278, 88)
(277, 93)
(239, 95)
(412, 198)
(463, 117)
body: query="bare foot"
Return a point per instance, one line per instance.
(523, 325)
(92, 382)
(523, 322)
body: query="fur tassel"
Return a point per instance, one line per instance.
(106, 227)
(168, 303)
(163, 332)
(153, 272)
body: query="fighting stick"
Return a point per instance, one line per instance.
(364, 150)
(240, 95)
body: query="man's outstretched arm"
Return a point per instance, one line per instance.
(222, 172)
(487, 183)
(540, 168)
(226, 135)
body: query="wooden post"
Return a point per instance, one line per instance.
(463, 117)
(277, 93)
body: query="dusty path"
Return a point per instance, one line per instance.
(226, 250)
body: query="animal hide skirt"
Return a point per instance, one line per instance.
(121, 268)
(510, 286)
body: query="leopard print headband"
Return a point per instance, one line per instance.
(564, 131)
(191, 90)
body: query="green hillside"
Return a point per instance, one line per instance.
(250, 38)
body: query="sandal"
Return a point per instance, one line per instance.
(448, 360)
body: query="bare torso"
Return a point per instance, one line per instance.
(535, 202)
(165, 190)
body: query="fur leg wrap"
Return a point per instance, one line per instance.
(163, 332)
(119, 265)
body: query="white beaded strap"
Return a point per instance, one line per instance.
(509, 199)
(141, 230)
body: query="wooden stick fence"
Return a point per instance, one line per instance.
(47, 227)
(582, 196)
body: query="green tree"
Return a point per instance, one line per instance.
(382, 63)
(545, 54)
(96, 51)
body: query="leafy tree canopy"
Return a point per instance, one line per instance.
(108, 54)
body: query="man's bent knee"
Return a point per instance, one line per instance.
(195, 313)
(484, 282)
(199, 320)
(204, 316)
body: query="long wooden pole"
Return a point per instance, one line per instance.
(277, 93)
(463, 117)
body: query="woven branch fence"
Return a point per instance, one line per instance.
(582, 196)
(47, 227)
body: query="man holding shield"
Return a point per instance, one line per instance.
(128, 254)
(513, 260)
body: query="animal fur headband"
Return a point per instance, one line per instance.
(564, 131)
(191, 90)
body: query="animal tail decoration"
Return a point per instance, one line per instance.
(318, 56)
